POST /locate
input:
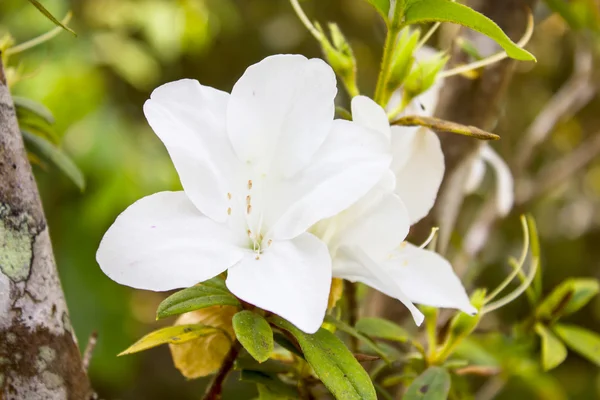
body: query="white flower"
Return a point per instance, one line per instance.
(367, 240)
(258, 168)
(505, 191)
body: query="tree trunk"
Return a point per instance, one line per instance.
(474, 102)
(39, 356)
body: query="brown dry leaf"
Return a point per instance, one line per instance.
(203, 356)
(335, 293)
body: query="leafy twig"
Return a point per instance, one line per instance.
(214, 390)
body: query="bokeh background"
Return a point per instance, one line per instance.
(96, 83)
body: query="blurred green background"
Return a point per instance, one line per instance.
(96, 83)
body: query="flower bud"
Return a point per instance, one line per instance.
(403, 58)
(423, 74)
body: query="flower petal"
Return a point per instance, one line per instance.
(377, 223)
(281, 111)
(350, 162)
(162, 242)
(475, 176)
(505, 192)
(419, 167)
(355, 265)
(427, 278)
(291, 279)
(190, 120)
(369, 114)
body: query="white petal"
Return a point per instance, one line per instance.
(377, 223)
(475, 176)
(427, 278)
(190, 120)
(419, 167)
(291, 279)
(162, 242)
(369, 114)
(356, 266)
(505, 192)
(281, 111)
(350, 162)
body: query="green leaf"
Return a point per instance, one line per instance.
(421, 11)
(206, 294)
(55, 155)
(582, 341)
(172, 334)
(433, 384)
(333, 363)
(344, 327)
(382, 329)
(554, 351)
(287, 344)
(567, 298)
(254, 333)
(51, 17)
(32, 106)
(382, 7)
(275, 388)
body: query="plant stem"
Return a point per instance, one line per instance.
(386, 63)
(350, 293)
(214, 390)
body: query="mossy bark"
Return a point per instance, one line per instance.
(39, 356)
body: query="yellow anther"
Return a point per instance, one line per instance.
(250, 184)
(248, 209)
(229, 196)
(269, 242)
(229, 211)
(257, 257)
(248, 199)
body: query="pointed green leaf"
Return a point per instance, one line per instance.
(32, 106)
(382, 329)
(254, 333)
(554, 351)
(51, 17)
(55, 155)
(382, 7)
(333, 363)
(583, 341)
(421, 11)
(205, 294)
(287, 344)
(568, 297)
(344, 327)
(274, 387)
(171, 334)
(433, 384)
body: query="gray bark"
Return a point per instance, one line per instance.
(39, 356)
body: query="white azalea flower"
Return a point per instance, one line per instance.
(367, 240)
(258, 168)
(505, 185)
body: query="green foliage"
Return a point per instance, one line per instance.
(403, 60)
(344, 327)
(50, 152)
(340, 56)
(433, 384)
(580, 340)
(382, 329)
(172, 334)
(567, 298)
(554, 351)
(28, 106)
(254, 333)
(579, 14)
(424, 74)
(51, 17)
(333, 363)
(382, 7)
(206, 294)
(420, 11)
(269, 385)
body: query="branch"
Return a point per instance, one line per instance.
(37, 345)
(213, 392)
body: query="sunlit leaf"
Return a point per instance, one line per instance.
(554, 351)
(382, 329)
(583, 341)
(254, 333)
(333, 363)
(382, 7)
(422, 11)
(344, 327)
(433, 384)
(206, 294)
(51, 17)
(204, 355)
(568, 297)
(171, 334)
(32, 106)
(54, 155)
